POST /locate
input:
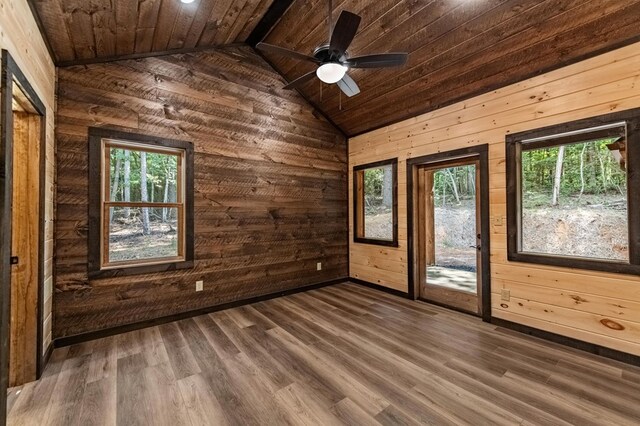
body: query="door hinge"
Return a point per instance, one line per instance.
(14, 260)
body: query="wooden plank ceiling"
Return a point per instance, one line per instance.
(89, 29)
(458, 48)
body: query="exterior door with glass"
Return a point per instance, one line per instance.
(449, 234)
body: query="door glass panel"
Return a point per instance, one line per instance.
(452, 257)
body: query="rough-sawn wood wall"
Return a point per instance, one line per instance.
(270, 184)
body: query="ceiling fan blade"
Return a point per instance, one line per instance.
(265, 47)
(344, 31)
(348, 86)
(300, 80)
(382, 60)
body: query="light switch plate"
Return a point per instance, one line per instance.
(199, 285)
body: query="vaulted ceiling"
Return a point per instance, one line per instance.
(457, 48)
(89, 29)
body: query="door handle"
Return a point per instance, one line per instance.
(478, 247)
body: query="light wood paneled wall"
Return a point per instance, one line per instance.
(573, 303)
(20, 36)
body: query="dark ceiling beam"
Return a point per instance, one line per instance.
(268, 21)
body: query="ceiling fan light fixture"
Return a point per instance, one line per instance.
(331, 72)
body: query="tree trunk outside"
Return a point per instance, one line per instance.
(584, 148)
(558, 177)
(127, 181)
(144, 197)
(166, 197)
(603, 172)
(387, 187)
(453, 185)
(116, 183)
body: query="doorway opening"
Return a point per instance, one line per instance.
(449, 230)
(22, 234)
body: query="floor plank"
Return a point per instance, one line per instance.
(344, 354)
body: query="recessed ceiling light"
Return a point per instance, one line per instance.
(187, 1)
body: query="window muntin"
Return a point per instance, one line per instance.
(619, 251)
(143, 205)
(375, 203)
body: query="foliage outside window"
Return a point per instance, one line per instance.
(144, 213)
(570, 196)
(143, 204)
(375, 204)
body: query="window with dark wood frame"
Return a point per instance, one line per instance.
(172, 246)
(621, 133)
(361, 233)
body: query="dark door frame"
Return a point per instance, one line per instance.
(480, 153)
(11, 74)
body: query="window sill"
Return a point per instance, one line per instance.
(575, 263)
(374, 242)
(141, 269)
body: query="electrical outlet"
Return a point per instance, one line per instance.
(506, 294)
(199, 285)
(319, 266)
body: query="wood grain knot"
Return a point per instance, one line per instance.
(578, 300)
(504, 305)
(611, 324)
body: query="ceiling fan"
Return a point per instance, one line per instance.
(333, 59)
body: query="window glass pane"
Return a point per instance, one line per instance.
(453, 262)
(142, 233)
(574, 200)
(157, 184)
(378, 203)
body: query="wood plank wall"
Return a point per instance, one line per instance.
(270, 184)
(20, 36)
(572, 303)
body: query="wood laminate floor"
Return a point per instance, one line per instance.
(344, 354)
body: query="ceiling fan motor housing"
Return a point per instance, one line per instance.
(324, 54)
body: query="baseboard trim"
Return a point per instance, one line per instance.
(570, 342)
(44, 360)
(380, 287)
(98, 334)
(47, 356)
